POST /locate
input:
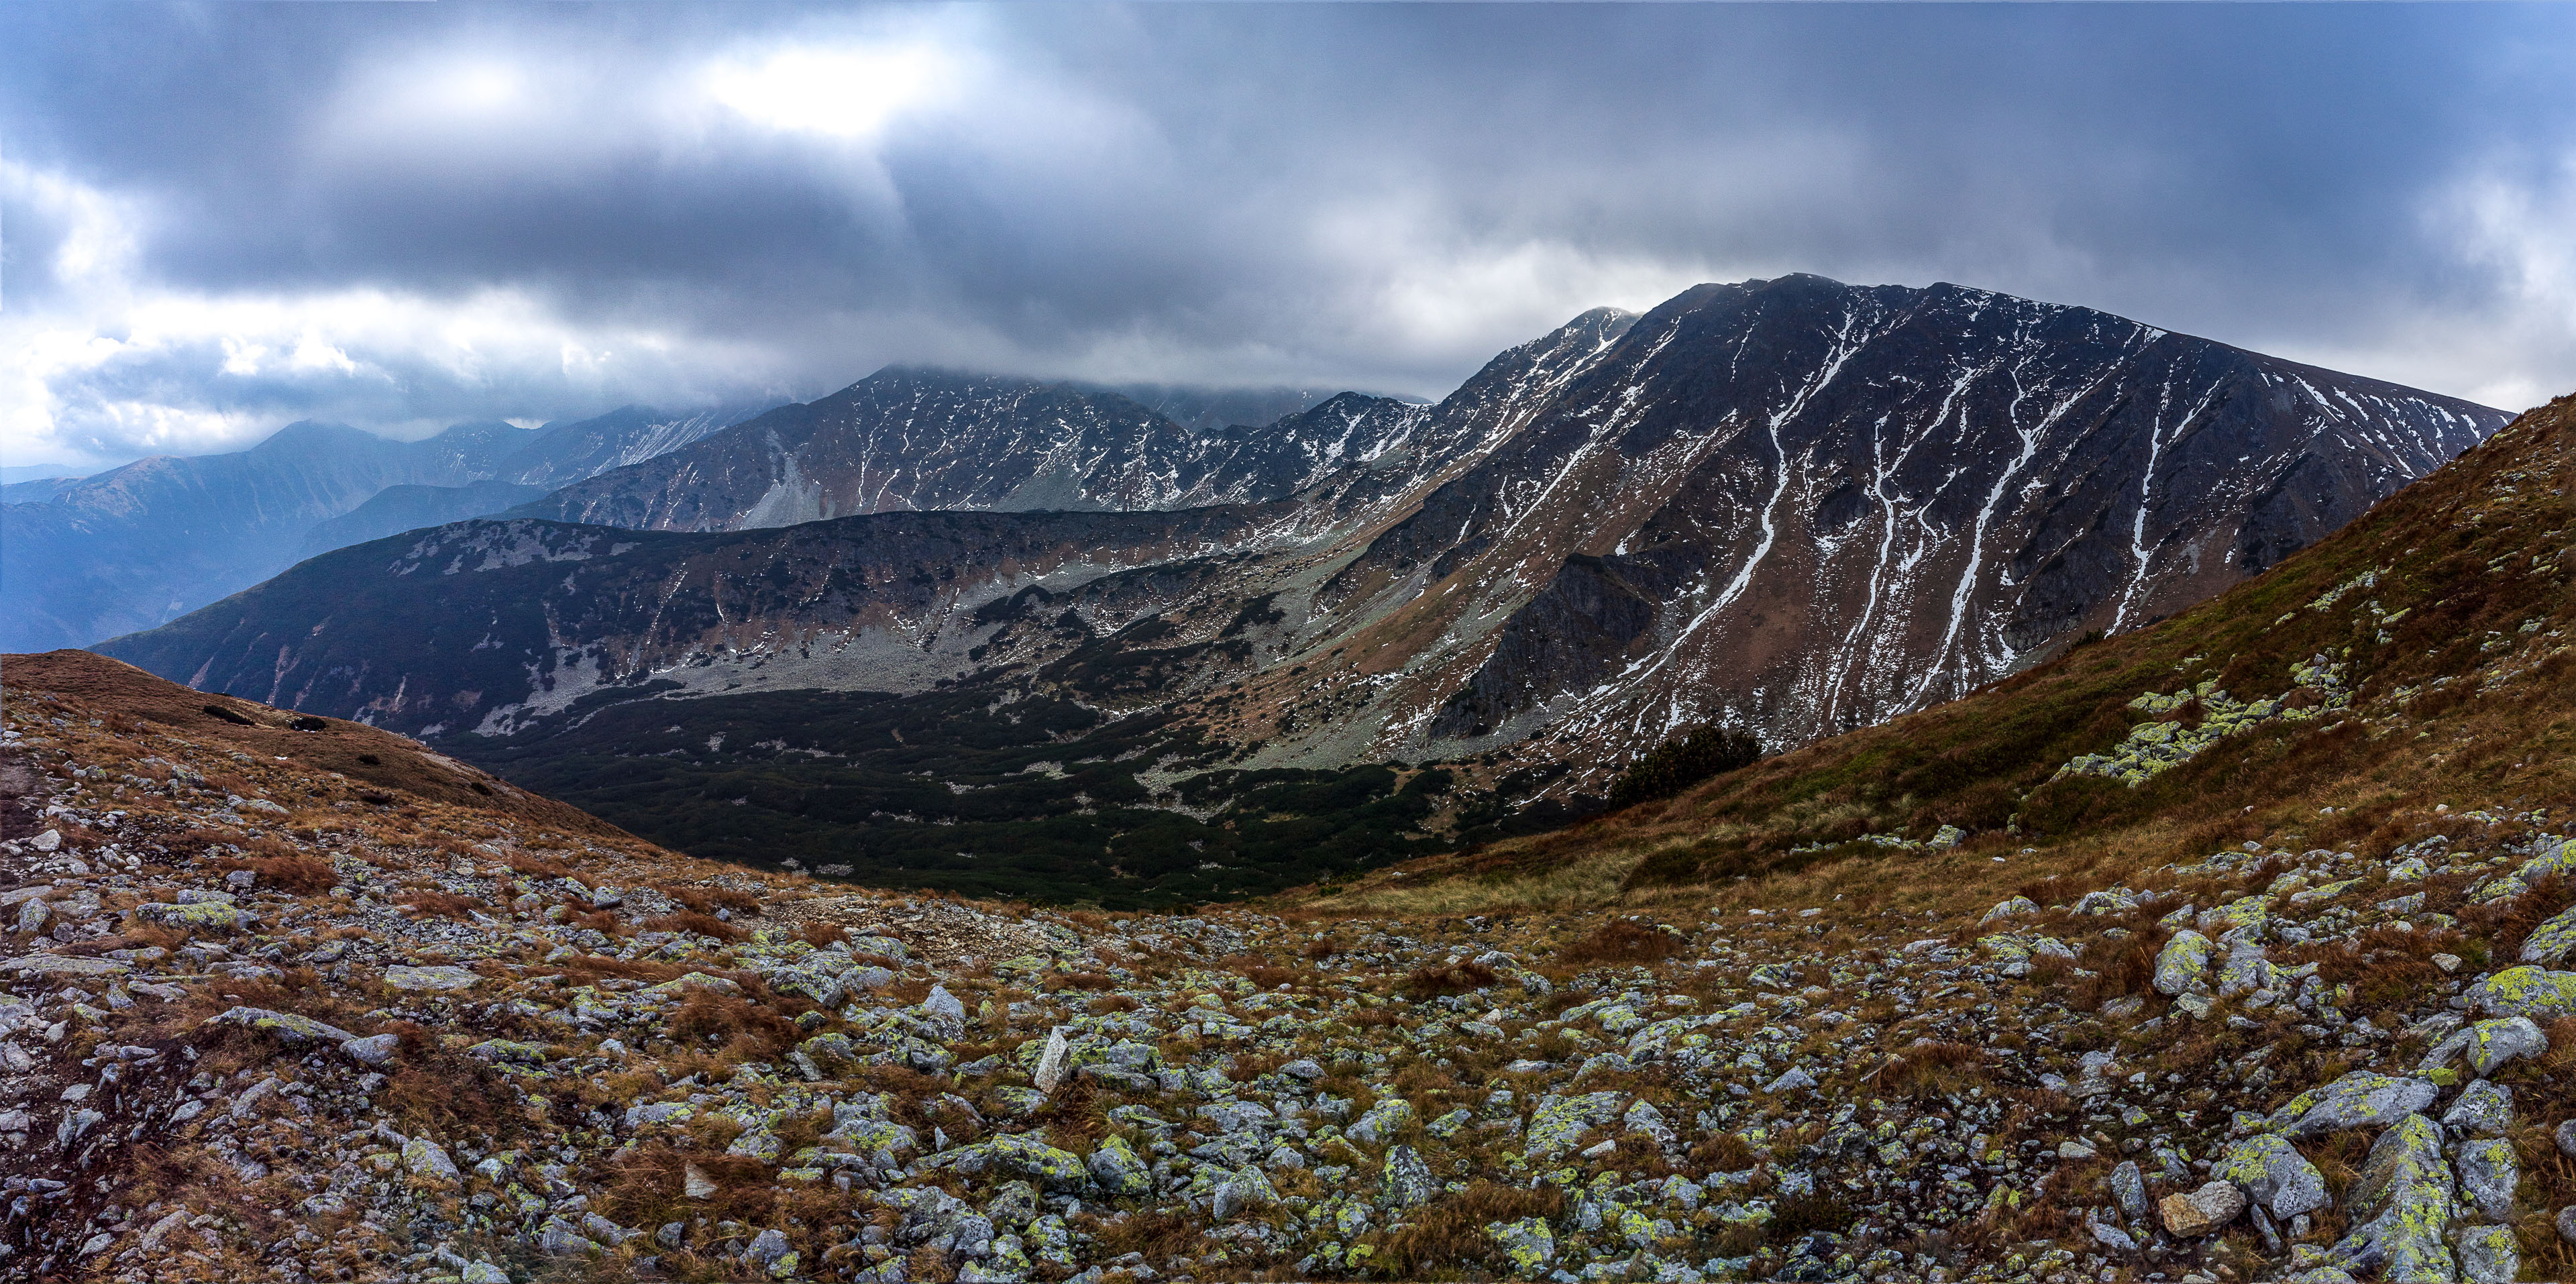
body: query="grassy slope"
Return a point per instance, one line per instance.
(2460, 706)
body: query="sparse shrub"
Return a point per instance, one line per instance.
(436, 904)
(1435, 1240)
(1934, 1069)
(1684, 761)
(1448, 978)
(693, 921)
(1622, 941)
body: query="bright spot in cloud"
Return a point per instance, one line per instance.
(841, 93)
(482, 86)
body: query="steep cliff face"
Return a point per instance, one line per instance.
(1794, 506)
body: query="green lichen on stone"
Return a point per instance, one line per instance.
(2154, 747)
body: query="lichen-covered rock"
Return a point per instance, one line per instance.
(1559, 1122)
(1405, 1180)
(2550, 943)
(1381, 1122)
(1527, 1244)
(2274, 1174)
(2489, 1044)
(1020, 1155)
(2361, 1099)
(2129, 1190)
(286, 1027)
(1246, 1187)
(428, 1160)
(507, 1050)
(2183, 964)
(2012, 908)
(204, 916)
(2203, 1211)
(1114, 1165)
(2489, 1175)
(2526, 992)
(2402, 1207)
(441, 978)
(2490, 1255)
(2484, 1108)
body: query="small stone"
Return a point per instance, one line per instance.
(2274, 1174)
(1406, 1181)
(2074, 1150)
(2490, 1255)
(1795, 1080)
(2484, 1107)
(2129, 1187)
(2488, 1175)
(2202, 1211)
(443, 977)
(373, 1050)
(695, 1184)
(2567, 1223)
(1381, 1122)
(1051, 1062)
(2566, 1136)
(2183, 965)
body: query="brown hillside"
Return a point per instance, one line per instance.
(314, 747)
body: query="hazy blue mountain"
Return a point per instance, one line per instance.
(396, 509)
(159, 537)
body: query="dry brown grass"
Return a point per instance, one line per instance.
(437, 904)
(1438, 1239)
(707, 900)
(1934, 1069)
(694, 921)
(1464, 977)
(1622, 941)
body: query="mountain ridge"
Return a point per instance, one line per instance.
(1787, 506)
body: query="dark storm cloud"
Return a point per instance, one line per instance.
(406, 214)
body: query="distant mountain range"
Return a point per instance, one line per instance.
(1792, 506)
(87, 558)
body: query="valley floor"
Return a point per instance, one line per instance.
(268, 1022)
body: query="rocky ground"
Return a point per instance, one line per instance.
(264, 1022)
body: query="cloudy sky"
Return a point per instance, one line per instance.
(220, 218)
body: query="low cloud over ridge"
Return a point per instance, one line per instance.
(401, 216)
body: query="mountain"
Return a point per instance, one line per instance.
(569, 451)
(915, 439)
(2407, 676)
(147, 542)
(1790, 506)
(401, 508)
(2227, 946)
(910, 438)
(89, 558)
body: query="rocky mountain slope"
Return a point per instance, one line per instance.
(908, 439)
(2283, 862)
(2227, 948)
(1787, 505)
